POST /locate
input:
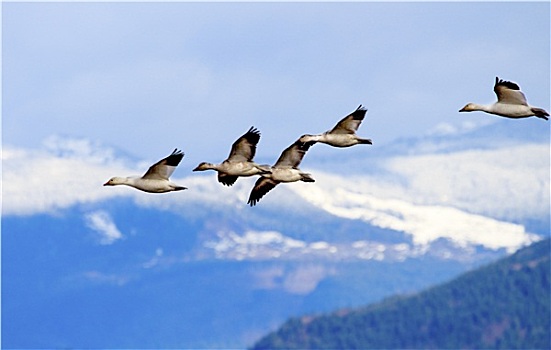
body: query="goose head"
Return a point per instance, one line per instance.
(205, 166)
(470, 107)
(114, 181)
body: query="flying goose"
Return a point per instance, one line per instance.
(155, 180)
(344, 133)
(240, 161)
(511, 103)
(284, 170)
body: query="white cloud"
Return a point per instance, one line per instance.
(447, 128)
(66, 172)
(510, 183)
(304, 279)
(104, 278)
(301, 280)
(71, 171)
(468, 197)
(154, 261)
(78, 148)
(102, 223)
(38, 181)
(424, 223)
(267, 277)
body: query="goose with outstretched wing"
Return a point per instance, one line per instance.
(156, 179)
(284, 170)
(240, 161)
(344, 133)
(511, 103)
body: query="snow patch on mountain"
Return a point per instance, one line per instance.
(468, 197)
(266, 245)
(509, 183)
(424, 223)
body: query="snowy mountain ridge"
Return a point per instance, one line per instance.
(469, 197)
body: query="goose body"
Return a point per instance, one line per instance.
(240, 161)
(156, 179)
(511, 103)
(344, 133)
(284, 170)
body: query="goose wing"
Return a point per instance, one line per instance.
(350, 123)
(262, 186)
(244, 148)
(226, 179)
(165, 167)
(509, 93)
(292, 155)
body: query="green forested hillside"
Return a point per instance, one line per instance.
(503, 305)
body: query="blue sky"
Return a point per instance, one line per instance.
(94, 90)
(148, 77)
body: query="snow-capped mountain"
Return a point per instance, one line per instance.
(420, 211)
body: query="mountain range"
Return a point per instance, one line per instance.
(92, 267)
(504, 305)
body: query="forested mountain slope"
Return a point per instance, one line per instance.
(502, 305)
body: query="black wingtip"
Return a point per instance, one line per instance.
(359, 113)
(361, 109)
(175, 157)
(507, 84)
(254, 130)
(252, 135)
(177, 152)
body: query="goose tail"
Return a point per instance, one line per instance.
(307, 178)
(541, 113)
(366, 141)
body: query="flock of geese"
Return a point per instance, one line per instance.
(511, 103)
(240, 162)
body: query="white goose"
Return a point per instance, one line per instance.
(344, 133)
(284, 170)
(240, 161)
(511, 103)
(155, 180)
